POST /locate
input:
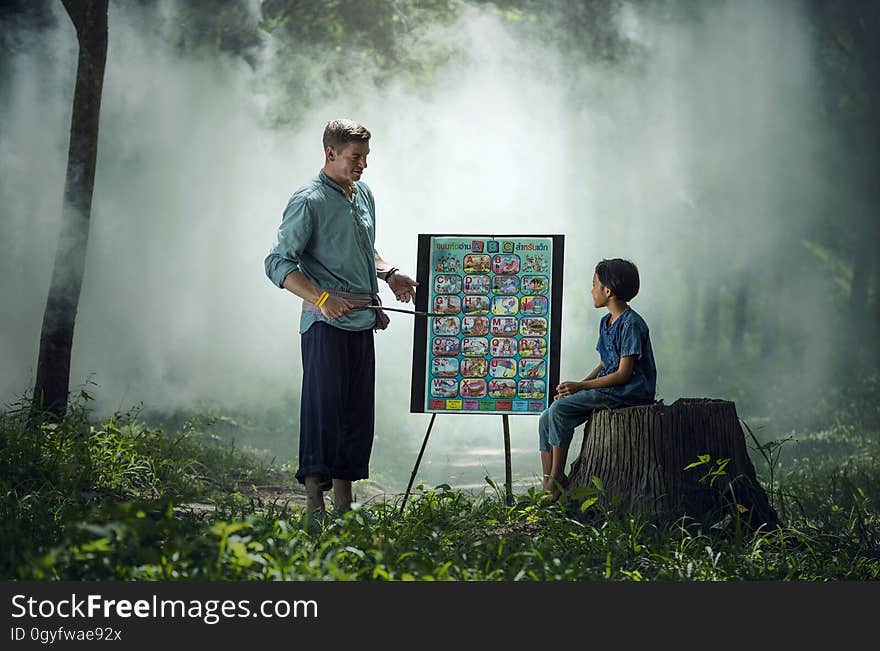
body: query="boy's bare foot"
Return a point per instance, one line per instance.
(555, 486)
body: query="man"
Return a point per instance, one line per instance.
(325, 253)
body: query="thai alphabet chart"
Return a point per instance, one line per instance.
(494, 342)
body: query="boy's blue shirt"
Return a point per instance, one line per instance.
(628, 336)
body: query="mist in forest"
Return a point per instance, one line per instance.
(707, 163)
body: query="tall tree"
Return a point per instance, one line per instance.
(850, 63)
(89, 18)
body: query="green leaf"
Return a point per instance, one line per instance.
(354, 550)
(99, 545)
(588, 503)
(240, 553)
(703, 459)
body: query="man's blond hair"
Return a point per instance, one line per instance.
(338, 133)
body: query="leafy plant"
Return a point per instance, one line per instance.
(714, 471)
(82, 499)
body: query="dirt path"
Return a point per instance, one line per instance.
(286, 496)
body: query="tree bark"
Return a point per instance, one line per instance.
(640, 454)
(89, 18)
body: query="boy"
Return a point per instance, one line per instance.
(625, 376)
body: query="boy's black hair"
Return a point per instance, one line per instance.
(620, 276)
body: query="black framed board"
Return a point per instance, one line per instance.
(492, 346)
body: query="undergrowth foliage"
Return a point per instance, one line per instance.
(102, 499)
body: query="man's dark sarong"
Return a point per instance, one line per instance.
(337, 408)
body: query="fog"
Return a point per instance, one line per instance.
(701, 163)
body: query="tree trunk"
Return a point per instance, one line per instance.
(711, 317)
(640, 454)
(89, 17)
(689, 325)
(875, 315)
(740, 314)
(770, 315)
(862, 268)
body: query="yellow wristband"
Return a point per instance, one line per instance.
(322, 299)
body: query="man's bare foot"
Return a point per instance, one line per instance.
(341, 507)
(315, 519)
(342, 496)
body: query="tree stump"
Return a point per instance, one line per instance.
(640, 455)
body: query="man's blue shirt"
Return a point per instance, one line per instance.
(331, 240)
(628, 336)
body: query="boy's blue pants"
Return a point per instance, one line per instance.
(560, 419)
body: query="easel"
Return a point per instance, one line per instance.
(508, 478)
(551, 267)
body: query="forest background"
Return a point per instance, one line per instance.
(728, 148)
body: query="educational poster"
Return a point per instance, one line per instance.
(491, 345)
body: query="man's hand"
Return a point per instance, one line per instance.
(334, 307)
(567, 388)
(403, 286)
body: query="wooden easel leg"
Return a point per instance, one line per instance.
(418, 461)
(508, 480)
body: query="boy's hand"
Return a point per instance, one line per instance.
(567, 388)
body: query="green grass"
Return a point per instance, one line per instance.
(100, 499)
